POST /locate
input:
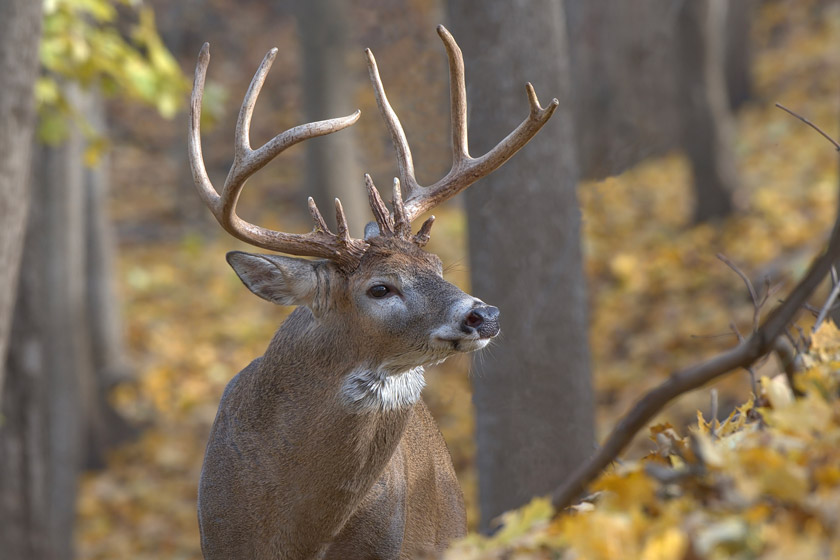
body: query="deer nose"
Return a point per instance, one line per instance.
(483, 319)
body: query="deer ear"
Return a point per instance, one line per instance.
(280, 280)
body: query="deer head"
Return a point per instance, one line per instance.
(384, 289)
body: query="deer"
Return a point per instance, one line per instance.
(323, 447)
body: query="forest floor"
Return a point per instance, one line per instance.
(659, 297)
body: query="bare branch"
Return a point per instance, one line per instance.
(713, 413)
(743, 355)
(827, 306)
(789, 358)
(758, 303)
(809, 123)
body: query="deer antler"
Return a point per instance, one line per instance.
(465, 169)
(320, 242)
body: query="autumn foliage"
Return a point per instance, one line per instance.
(761, 482)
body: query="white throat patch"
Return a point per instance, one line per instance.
(366, 390)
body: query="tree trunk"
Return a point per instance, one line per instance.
(707, 124)
(332, 166)
(532, 391)
(20, 29)
(56, 419)
(104, 427)
(625, 111)
(44, 363)
(739, 59)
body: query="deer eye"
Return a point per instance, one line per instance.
(379, 291)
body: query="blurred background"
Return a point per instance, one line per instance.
(598, 241)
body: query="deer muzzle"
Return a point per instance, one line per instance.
(482, 320)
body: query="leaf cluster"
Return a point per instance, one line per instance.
(763, 483)
(110, 44)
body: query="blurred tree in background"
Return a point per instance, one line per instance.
(333, 167)
(66, 348)
(533, 399)
(22, 509)
(652, 74)
(20, 29)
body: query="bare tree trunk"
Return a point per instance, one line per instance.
(707, 124)
(104, 427)
(20, 30)
(625, 109)
(739, 59)
(332, 166)
(532, 390)
(50, 349)
(56, 419)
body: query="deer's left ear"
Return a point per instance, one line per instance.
(280, 280)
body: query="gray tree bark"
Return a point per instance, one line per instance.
(20, 30)
(332, 165)
(56, 419)
(532, 390)
(708, 128)
(625, 108)
(104, 428)
(739, 55)
(50, 333)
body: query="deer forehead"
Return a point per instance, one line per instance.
(390, 257)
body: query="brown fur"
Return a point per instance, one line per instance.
(291, 471)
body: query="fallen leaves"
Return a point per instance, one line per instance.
(763, 483)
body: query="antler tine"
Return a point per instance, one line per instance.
(341, 220)
(317, 218)
(380, 211)
(457, 97)
(404, 159)
(320, 242)
(465, 170)
(202, 182)
(402, 227)
(422, 237)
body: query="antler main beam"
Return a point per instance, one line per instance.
(320, 242)
(465, 169)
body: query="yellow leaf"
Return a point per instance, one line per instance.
(778, 391)
(518, 522)
(669, 545)
(827, 338)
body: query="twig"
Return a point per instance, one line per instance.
(793, 341)
(744, 354)
(809, 123)
(827, 306)
(757, 303)
(805, 341)
(702, 336)
(787, 355)
(713, 395)
(750, 370)
(743, 276)
(760, 342)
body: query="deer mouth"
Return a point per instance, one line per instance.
(464, 343)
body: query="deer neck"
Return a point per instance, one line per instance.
(341, 417)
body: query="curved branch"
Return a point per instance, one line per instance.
(762, 341)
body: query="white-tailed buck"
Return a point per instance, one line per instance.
(323, 448)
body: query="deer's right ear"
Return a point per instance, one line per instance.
(280, 280)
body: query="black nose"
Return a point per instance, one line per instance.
(483, 319)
